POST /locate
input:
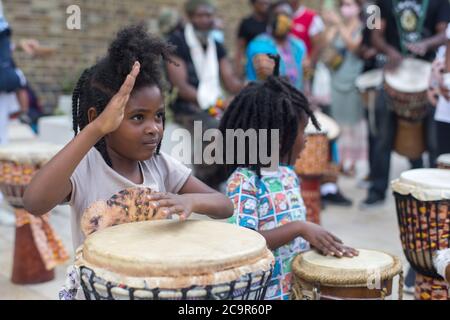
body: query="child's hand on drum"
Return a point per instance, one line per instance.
(111, 118)
(325, 242)
(168, 204)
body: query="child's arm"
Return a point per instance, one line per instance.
(194, 196)
(52, 185)
(317, 236)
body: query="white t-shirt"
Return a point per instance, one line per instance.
(442, 110)
(8, 104)
(94, 180)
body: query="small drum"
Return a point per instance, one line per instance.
(314, 163)
(37, 248)
(19, 162)
(174, 260)
(367, 84)
(407, 88)
(367, 276)
(423, 208)
(443, 162)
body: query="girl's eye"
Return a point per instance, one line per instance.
(137, 117)
(160, 115)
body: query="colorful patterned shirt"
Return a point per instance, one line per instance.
(266, 203)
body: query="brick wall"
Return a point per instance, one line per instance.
(45, 20)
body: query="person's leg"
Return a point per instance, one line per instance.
(11, 78)
(386, 127)
(443, 140)
(431, 137)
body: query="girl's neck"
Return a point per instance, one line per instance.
(126, 167)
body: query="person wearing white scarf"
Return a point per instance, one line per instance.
(201, 67)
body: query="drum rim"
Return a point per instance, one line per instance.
(377, 73)
(388, 76)
(420, 191)
(264, 264)
(45, 151)
(344, 278)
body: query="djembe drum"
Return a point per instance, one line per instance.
(406, 90)
(423, 208)
(367, 276)
(164, 259)
(368, 83)
(314, 163)
(37, 248)
(443, 161)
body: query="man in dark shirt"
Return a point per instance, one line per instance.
(198, 76)
(408, 28)
(249, 28)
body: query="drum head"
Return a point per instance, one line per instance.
(312, 266)
(172, 248)
(369, 79)
(444, 159)
(424, 184)
(327, 124)
(29, 152)
(412, 76)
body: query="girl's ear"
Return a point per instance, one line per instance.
(92, 114)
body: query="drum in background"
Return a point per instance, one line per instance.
(37, 248)
(423, 208)
(174, 260)
(410, 139)
(314, 163)
(368, 83)
(19, 162)
(443, 161)
(406, 87)
(367, 276)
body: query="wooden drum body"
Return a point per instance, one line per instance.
(367, 276)
(166, 259)
(37, 249)
(314, 163)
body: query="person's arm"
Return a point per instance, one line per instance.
(422, 47)
(51, 185)
(239, 56)
(178, 77)
(380, 43)
(352, 43)
(318, 43)
(194, 196)
(231, 82)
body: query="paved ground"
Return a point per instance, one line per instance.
(376, 229)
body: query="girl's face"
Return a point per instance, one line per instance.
(299, 143)
(141, 130)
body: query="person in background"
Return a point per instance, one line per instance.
(344, 38)
(309, 27)
(249, 28)
(408, 27)
(201, 66)
(277, 41)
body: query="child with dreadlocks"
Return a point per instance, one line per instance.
(270, 201)
(120, 115)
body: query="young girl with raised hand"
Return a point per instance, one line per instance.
(120, 115)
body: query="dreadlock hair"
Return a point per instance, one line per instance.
(271, 104)
(98, 84)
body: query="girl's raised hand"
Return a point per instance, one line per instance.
(111, 118)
